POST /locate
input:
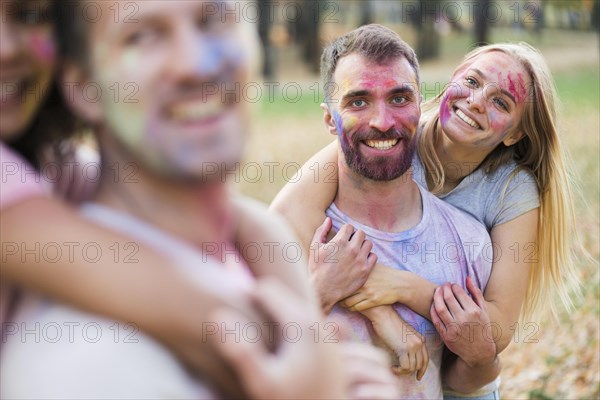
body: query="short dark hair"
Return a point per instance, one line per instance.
(374, 41)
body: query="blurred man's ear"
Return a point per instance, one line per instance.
(80, 94)
(328, 119)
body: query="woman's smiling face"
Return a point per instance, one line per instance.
(27, 62)
(484, 104)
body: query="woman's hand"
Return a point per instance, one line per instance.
(463, 323)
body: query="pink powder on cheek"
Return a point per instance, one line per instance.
(408, 118)
(43, 46)
(499, 123)
(445, 109)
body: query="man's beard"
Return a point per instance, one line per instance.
(384, 168)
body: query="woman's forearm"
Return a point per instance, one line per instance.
(118, 284)
(415, 292)
(463, 378)
(268, 231)
(303, 200)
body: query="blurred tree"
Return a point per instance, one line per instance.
(307, 28)
(428, 39)
(366, 11)
(264, 27)
(480, 12)
(595, 22)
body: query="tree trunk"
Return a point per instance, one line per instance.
(481, 24)
(428, 42)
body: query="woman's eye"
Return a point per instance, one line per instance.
(501, 103)
(471, 82)
(358, 103)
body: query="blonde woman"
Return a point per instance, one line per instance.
(488, 144)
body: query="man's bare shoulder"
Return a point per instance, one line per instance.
(255, 216)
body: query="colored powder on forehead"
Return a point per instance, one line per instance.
(368, 83)
(513, 89)
(344, 86)
(527, 92)
(391, 83)
(514, 85)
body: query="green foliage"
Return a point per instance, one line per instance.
(579, 88)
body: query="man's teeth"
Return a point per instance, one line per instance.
(468, 120)
(381, 144)
(195, 110)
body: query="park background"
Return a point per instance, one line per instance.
(547, 359)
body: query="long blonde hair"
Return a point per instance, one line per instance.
(539, 152)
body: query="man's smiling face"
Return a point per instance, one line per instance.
(163, 76)
(375, 112)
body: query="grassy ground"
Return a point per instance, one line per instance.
(549, 359)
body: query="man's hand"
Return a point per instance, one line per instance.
(369, 372)
(298, 369)
(461, 321)
(339, 267)
(402, 339)
(379, 289)
(189, 338)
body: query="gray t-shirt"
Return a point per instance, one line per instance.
(492, 199)
(447, 245)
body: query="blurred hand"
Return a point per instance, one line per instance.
(188, 336)
(300, 369)
(368, 370)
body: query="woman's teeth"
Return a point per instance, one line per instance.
(468, 120)
(382, 144)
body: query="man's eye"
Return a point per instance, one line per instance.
(399, 100)
(141, 36)
(358, 103)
